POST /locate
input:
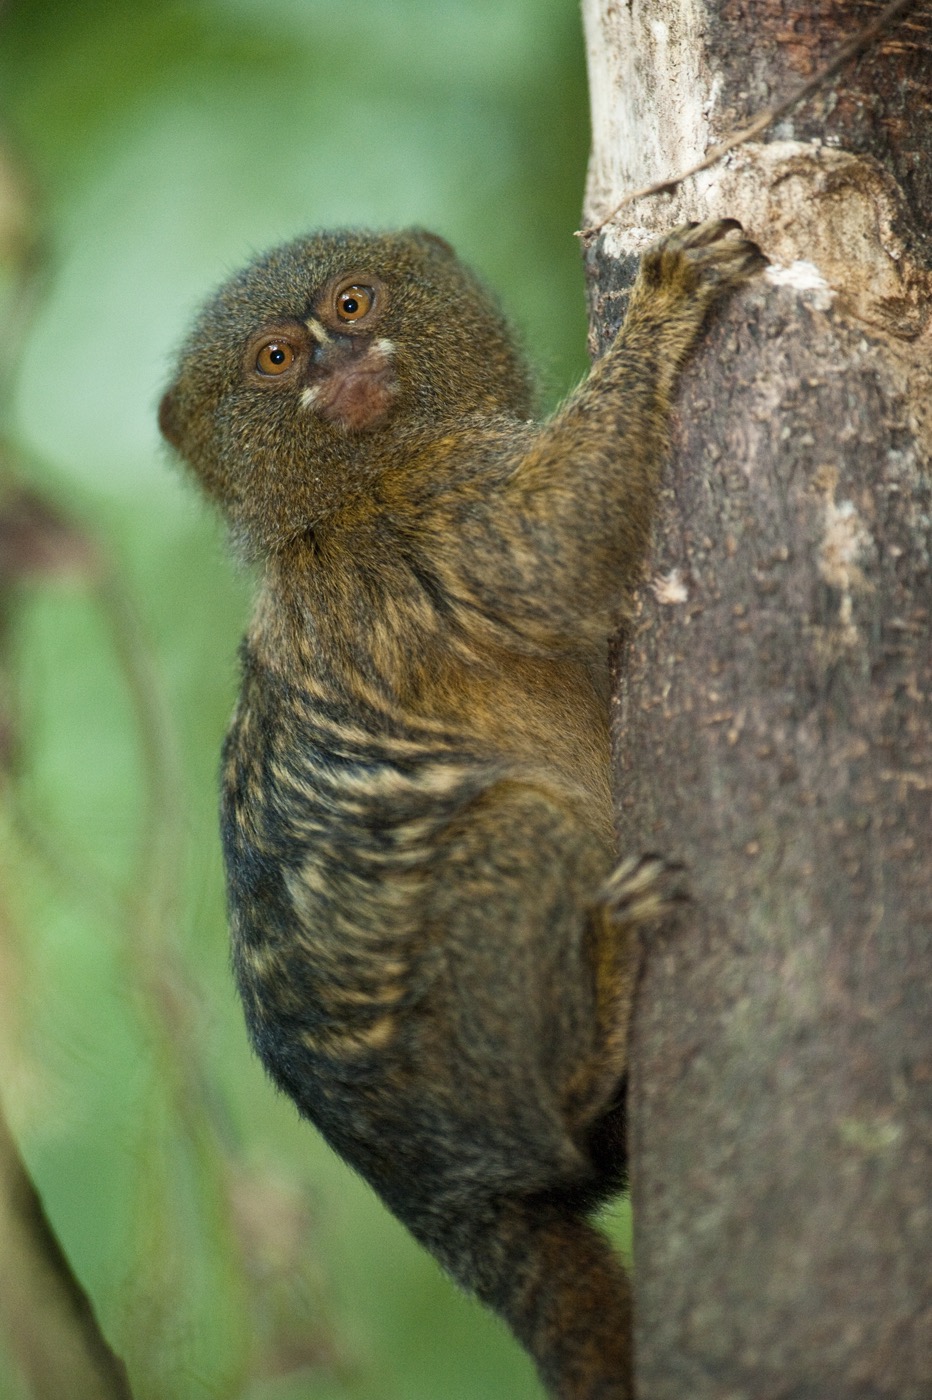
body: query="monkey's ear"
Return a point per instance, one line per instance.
(168, 422)
(426, 236)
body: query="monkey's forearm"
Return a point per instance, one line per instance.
(563, 535)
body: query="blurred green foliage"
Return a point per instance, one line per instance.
(227, 1251)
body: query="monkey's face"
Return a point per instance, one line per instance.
(325, 363)
(343, 369)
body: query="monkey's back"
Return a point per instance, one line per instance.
(335, 820)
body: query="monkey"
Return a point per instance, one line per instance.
(434, 942)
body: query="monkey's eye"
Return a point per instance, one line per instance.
(275, 356)
(355, 302)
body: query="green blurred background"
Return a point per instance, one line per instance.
(154, 147)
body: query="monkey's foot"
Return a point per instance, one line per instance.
(643, 888)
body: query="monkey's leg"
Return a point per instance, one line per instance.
(557, 1282)
(527, 1054)
(640, 891)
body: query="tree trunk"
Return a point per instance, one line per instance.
(774, 727)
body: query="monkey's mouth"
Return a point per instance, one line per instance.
(355, 388)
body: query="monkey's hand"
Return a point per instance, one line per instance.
(679, 279)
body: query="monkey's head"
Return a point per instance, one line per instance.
(326, 362)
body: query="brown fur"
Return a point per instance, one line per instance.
(435, 958)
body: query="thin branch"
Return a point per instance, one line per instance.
(47, 1316)
(896, 10)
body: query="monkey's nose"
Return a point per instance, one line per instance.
(336, 350)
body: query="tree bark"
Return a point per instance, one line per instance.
(773, 721)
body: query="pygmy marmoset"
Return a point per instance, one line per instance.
(435, 957)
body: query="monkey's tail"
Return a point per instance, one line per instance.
(557, 1283)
